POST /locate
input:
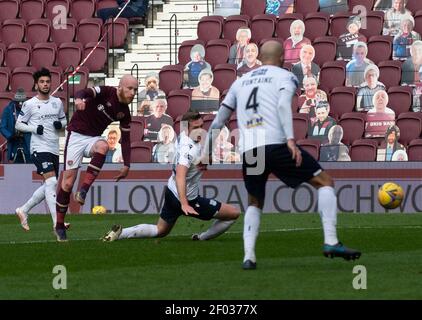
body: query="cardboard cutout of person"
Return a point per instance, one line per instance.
(310, 98)
(334, 150)
(164, 150)
(410, 71)
(404, 39)
(250, 60)
(355, 69)
(279, 7)
(237, 50)
(380, 118)
(306, 66)
(149, 94)
(195, 66)
(394, 16)
(347, 40)
(333, 6)
(390, 145)
(295, 42)
(367, 89)
(205, 97)
(321, 126)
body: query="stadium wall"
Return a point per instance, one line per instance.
(142, 190)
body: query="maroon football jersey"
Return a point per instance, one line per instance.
(99, 112)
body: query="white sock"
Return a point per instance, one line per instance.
(327, 208)
(36, 198)
(217, 228)
(50, 197)
(140, 231)
(250, 232)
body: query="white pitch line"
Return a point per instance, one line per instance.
(229, 232)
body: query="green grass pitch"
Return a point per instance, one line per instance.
(290, 260)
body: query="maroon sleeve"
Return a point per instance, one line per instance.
(125, 128)
(84, 94)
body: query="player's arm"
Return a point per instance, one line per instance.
(62, 121)
(125, 144)
(23, 120)
(82, 95)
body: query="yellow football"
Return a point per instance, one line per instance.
(99, 210)
(390, 195)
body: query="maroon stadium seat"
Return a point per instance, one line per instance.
(414, 151)
(316, 25)
(13, 31)
(263, 26)
(217, 51)
(43, 55)
(374, 24)
(22, 77)
(338, 23)
(232, 24)
(364, 150)
(32, 9)
(224, 76)
(210, 27)
(4, 79)
(178, 103)
(2, 53)
(400, 99)
(98, 58)
(8, 9)
(380, 48)
(89, 30)
(141, 151)
(342, 100)
(300, 125)
(325, 49)
(368, 4)
(279, 40)
(410, 124)
(101, 4)
(208, 119)
(414, 5)
(137, 125)
(332, 74)
(184, 50)
(116, 36)
(56, 77)
(171, 78)
(176, 125)
(353, 125)
(78, 82)
(284, 22)
(17, 55)
(252, 8)
(69, 54)
(65, 35)
(82, 9)
(390, 73)
(58, 6)
(306, 6)
(311, 146)
(38, 31)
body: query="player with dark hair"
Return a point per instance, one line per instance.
(44, 117)
(182, 193)
(96, 108)
(262, 100)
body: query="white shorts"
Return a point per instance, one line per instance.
(77, 147)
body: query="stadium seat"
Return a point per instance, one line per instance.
(279, 40)
(5, 98)
(414, 150)
(69, 54)
(210, 27)
(13, 31)
(410, 124)
(342, 100)
(418, 21)
(232, 24)
(2, 53)
(17, 55)
(353, 125)
(89, 30)
(141, 151)
(38, 31)
(43, 55)
(283, 24)
(208, 119)
(306, 6)
(4, 79)
(379, 48)
(400, 99)
(176, 125)
(96, 62)
(253, 8)
(414, 5)
(311, 146)
(63, 97)
(32, 9)
(374, 24)
(66, 34)
(183, 56)
(178, 102)
(56, 7)
(325, 49)
(137, 125)
(22, 77)
(224, 76)
(300, 125)
(217, 51)
(368, 4)
(332, 74)
(171, 78)
(101, 4)
(364, 150)
(9, 9)
(78, 82)
(116, 35)
(316, 25)
(338, 24)
(82, 9)
(390, 73)
(56, 77)
(263, 26)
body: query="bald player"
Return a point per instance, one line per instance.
(96, 108)
(262, 99)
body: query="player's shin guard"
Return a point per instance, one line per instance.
(217, 228)
(327, 208)
(250, 232)
(50, 197)
(93, 170)
(62, 203)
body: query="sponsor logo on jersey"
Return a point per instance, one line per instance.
(54, 104)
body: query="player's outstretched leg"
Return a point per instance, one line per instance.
(22, 211)
(225, 218)
(327, 208)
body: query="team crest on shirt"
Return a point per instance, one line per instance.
(69, 162)
(108, 104)
(54, 104)
(100, 107)
(120, 115)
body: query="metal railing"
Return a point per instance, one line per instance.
(173, 17)
(137, 77)
(212, 3)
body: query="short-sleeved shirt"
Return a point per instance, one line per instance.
(367, 95)
(154, 124)
(37, 112)
(355, 74)
(99, 112)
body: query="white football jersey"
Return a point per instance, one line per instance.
(262, 117)
(37, 112)
(188, 154)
